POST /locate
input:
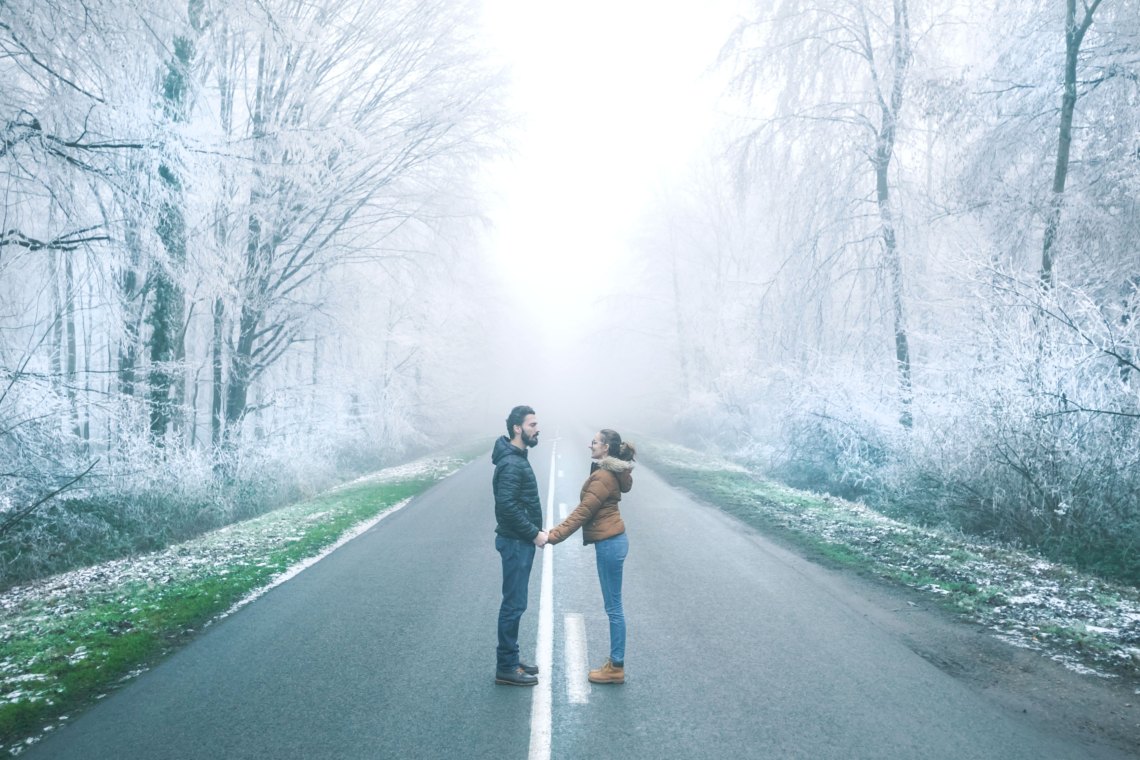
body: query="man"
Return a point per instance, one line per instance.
(518, 514)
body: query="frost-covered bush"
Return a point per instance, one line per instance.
(700, 422)
(722, 412)
(822, 435)
(1040, 443)
(1036, 443)
(42, 458)
(1031, 469)
(143, 500)
(1030, 435)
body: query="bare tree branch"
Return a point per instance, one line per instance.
(23, 513)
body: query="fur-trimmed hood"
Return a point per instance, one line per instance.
(620, 468)
(615, 465)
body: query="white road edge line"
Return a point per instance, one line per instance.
(295, 570)
(577, 686)
(540, 706)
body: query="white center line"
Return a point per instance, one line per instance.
(577, 686)
(540, 706)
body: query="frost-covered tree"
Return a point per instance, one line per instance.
(187, 188)
(841, 74)
(361, 121)
(960, 178)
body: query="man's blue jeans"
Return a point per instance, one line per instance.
(610, 554)
(517, 557)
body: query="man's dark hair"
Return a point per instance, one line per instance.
(516, 417)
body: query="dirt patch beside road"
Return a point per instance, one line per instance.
(1103, 710)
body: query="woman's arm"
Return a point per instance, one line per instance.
(592, 501)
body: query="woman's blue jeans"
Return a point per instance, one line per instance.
(610, 554)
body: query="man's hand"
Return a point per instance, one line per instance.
(540, 539)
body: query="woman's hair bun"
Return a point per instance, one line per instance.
(623, 450)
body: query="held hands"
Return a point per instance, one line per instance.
(540, 539)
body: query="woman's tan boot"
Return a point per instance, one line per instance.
(608, 673)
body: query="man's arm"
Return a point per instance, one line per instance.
(513, 513)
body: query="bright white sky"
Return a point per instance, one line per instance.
(613, 97)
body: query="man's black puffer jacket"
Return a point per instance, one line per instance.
(518, 510)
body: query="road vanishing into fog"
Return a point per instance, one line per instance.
(386, 649)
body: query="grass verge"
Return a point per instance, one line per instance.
(67, 641)
(1083, 621)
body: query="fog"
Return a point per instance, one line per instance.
(609, 103)
(876, 247)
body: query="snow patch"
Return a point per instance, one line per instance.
(25, 678)
(1083, 670)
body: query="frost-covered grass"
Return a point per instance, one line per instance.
(1088, 624)
(67, 640)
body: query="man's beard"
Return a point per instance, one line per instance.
(529, 441)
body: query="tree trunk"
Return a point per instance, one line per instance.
(241, 371)
(167, 342)
(71, 376)
(192, 422)
(221, 237)
(314, 381)
(216, 405)
(181, 378)
(894, 272)
(88, 342)
(166, 319)
(890, 107)
(679, 317)
(1074, 36)
(132, 304)
(56, 323)
(242, 358)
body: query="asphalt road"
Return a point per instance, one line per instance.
(385, 649)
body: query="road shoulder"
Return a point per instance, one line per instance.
(937, 609)
(1099, 709)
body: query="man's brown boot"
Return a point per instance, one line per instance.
(608, 673)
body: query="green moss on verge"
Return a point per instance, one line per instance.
(66, 661)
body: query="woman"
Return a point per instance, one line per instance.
(598, 516)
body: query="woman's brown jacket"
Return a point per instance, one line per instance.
(597, 513)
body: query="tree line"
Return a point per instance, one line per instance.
(228, 229)
(907, 269)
